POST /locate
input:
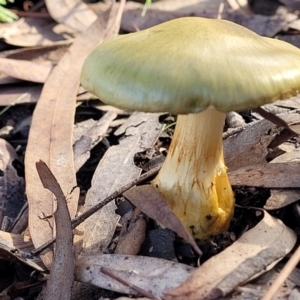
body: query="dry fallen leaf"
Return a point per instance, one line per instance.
(64, 257)
(17, 68)
(40, 54)
(292, 103)
(284, 274)
(154, 275)
(12, 95)
(189, 6)
(256, 288)
(11, 186)
(165, 10)
(293, 156)
(132, 234)
(89, 139)
(264, 25)
(81, 128)
(258, 249)
(50, 137)
(4, 79)
(291, 3)
(250, 146)
(74, 13)
(161, 11)
(13, 246)
(282, 197)
(30, 32)
(115, 170)
(150, 202)
(277, 175)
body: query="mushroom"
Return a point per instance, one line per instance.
(198, 69)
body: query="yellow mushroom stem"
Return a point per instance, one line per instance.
(193, 179)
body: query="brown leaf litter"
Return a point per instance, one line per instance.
(258, 154)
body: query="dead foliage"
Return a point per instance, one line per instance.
(92, 159)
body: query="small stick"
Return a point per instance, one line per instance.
(283, 275)
(30, 14)
(232, 131)
(37, 6)
(78, 220)
(112, 274)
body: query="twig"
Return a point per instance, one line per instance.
(220, 9)
(283, 275)
(112, 274)
(78, 220)
(30, 14)
(37, 6)
(232, 131)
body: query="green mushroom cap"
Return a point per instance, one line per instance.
(188, 64)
